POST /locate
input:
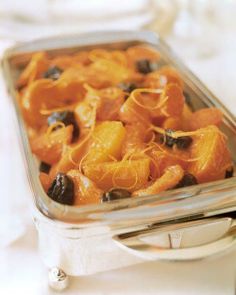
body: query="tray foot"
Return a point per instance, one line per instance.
(57, 279)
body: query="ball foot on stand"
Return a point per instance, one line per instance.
(57, 279)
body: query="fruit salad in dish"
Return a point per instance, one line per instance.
(113, 124)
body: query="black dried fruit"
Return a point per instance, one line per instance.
(53, 73)
(187, 180)
(145, 66)
(183, 142)
(167, 138)
(67, 118)
(127, 86)
(44, 167)
(229, 172)
(62, 189)
(115, 194)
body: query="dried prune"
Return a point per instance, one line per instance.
(67, 118)
(167, 138)
(229, 173)
(44, 167)
(53, 73)
(145, 66)
(182, 142)
(62, 189)
(187, 180)
(127, 86)
(115, 194)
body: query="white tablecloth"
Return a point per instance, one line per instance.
(21, 271)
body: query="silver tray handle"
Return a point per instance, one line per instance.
(184, 241)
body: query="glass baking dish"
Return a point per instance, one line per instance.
(187, 223)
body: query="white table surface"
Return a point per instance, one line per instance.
(21, 271)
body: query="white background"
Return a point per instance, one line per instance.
(213, 59)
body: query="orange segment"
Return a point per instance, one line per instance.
(107, 140)
(162, 160)
(142, 104)
(130, 175)
(174, 123)
(212, 155)
(171, 75)
(175, 103)
(111, 101)
(63, 62)
(109, 71)
(45, 94)
(162, 77)
(204, 118)
(84, 113)
(38, 64)
(134, 139)
(48, 147)
(37, 95)
(168, 180)
(86, 192)
(71, 157)
(131, 112)
(66, 61)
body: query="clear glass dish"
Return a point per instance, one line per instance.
(119, 221)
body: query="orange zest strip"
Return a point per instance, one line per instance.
(135, 93)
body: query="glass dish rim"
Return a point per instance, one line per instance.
(72, 214)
